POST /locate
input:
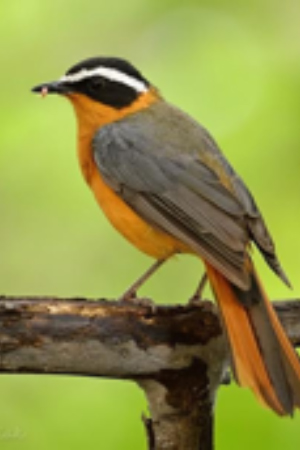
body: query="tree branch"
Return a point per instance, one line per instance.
(177, 355)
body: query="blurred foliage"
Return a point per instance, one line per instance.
(233, 65)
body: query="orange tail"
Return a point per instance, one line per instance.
(263, 358)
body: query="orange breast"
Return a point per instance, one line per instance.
(152, 241)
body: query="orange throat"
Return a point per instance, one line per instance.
(92, 115)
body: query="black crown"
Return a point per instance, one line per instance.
(111, 63)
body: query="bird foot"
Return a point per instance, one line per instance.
(131, 298)
(197, 298)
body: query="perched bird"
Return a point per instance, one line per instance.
(163, 183)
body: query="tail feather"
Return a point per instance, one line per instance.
(262, 356)
(288, 354)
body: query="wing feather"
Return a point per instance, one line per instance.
(168, 169)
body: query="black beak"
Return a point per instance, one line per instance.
(55, 87)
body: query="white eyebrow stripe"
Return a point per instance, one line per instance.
(109, 73)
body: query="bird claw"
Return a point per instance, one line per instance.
(138, 301)
(195, 300)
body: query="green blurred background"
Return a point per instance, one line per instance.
(233, 65)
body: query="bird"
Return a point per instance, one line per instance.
(164, 184)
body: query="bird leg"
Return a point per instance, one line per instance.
(130, 294)
(199, 291)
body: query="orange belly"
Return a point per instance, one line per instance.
(146, 238)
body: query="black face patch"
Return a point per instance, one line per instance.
(109, 92)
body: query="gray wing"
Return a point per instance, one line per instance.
(170, 171)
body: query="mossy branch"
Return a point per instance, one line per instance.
(177, 355)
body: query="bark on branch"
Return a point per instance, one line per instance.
(177, 355)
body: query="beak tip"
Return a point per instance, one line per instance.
(37, 89)
(42, 89)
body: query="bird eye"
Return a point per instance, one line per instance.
(96, 83)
